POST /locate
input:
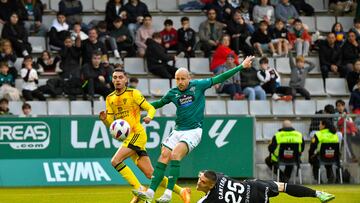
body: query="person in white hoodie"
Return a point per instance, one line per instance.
(76, 31)
(58, 32)
(31, 80)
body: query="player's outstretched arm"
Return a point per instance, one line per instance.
(150, 111)
(228, 74)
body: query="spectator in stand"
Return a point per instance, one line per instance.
(356, 28)
(329, 109)
(303, 7)
(26, 110)
(245, 9)
(330, 57)
(353, 76)
(250, 84)
(123, 37)
(354, 102)
(114, 9)
(94, 77)
(238, 30)
(261, 40)
(31, 12)
(70, 60)
(4, 107)
(48, 64)
(286, 12)
(16, 33)
(76, 31)
(340, 35)
(7, 8)
(299, 38)
(169, 36)
(157, 59)
(221, 54)
(5, 76)
(58, 32)
(299, 74)
(350, 52)
(7, 83)
(223, 10)
(72, 9)
(136, 12)
(340, 7)
(264, 12)
(270, 82)
(8, 55)
(186, 38)
(31, 80)
(279, 38)
(232, 85)
(90, 45)
(210, 32)
(143, 33)
(106, 38)
(133, 82)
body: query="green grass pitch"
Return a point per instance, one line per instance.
(119, 194)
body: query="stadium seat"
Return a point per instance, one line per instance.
(316, 61)
(159, 87)
(303, 128)
(100, 5)
(143, 86)
(177, 21)
(260, 108)
(80, 108)
(47, 20)
(215, 107)
(114, 60)
(134, 66)
(38, 108)
(54, 5)
(167, 5)
(324, 23)
(270, 128)
(38, 44)
(195, 21)
(200, 66)
(18, 63)
(315, 86)
(317, 4)
(158, 22)
(15, 107)
(42, 81)
(238, 107)
(168, 110)
(282, 108)
(211, 92)
(305, 107)
(320, 104)
(58, 107)
(46, 4)
(182, 63)
(91, 17)
(99, 106)
(309, 21)
(88, 5)
(18, 83)
(283, 65)
(151, 4)
(346, 21)
(337, 87)
(258, 131)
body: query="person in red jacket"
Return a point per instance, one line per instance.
(221, 53)
(299, 38)
(169, 35)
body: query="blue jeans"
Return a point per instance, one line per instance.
(255, 92)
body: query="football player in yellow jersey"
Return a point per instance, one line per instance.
(126, 103)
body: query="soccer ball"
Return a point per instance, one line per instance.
(120, 129)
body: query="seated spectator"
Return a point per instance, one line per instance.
(353, 76)
(330, 57)
(299, 74)
(354, 102)
(340, 7)
(8, 7)
(250, 84)
(90, 45)
(4, 107)
(340, 35)
(31, 12)
(356, 28)
(142, 34)
(350, 52)
(48, 64)
(210, 32)
(223, 10)
(221, 54)
(114, 9)
(286, 12)
(8, 55)
(186, 38)
(136, 12)
(94, 77)
(72, 9)
(232, 85)
(245, 9)
(123, 38)
(76, 31)
(264, 12)
(59, 30)
(303, 7)
(107, 39)
(157, 59)
(7, 83)
(261, 40)
(70, 60)
(279, 38)
(16, 33)
(299, 38)
(270, 82)
(31, 80)
(133, 82)
(238, 30)
(169, 36)
(329, 109)
(26, 110)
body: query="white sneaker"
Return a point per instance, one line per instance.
(163, 199)
(116, 54)
(275, 97)
(181, 55)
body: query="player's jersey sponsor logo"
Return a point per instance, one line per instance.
(186, 100)
(25, 134)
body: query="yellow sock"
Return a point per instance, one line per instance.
(164, 182)
(128, 175)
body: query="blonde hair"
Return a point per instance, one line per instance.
(300, 59)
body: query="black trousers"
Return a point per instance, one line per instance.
(30, 95)
(302, 91)
(129, 48)
(270, 88)
(238, 44)
(284, 175)
(304, 7)
(207, 48)
(314, 161)
(183, 48)
(19, 47)
(95, 86)
(163, 70)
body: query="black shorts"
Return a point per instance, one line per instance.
(262, 190)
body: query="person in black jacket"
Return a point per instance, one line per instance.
(261, 39)
(114, 9)
(353, 76)
(70, 60)
(250, 84)
(135, 10)
(30, 12)
(350, 52)
(58, 32)
(16, 33)
(186, 38)
(90, 45)
(157, 58)
(279, 37)
(223, 10)
(72, 9)
(7, 8)
(302, 6)
(238, 30)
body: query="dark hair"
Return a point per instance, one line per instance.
(340, 101)
(47, 52)
(208, 11)
(3, 63)
(156, 35)
(26, 106)
(184, 19)
(328, 124)
(93, 28)
(147, 16)
(297, 21)
(134, 79)
(333, 27)
(4, 100)
(102, 25)
(223, 36)
(60, 14)
(168, 22)
(351, 31)
(279, 20)
(211, 175)
(120, 70)
(329, 108)
(263, 22)
(118, 19)
(264, 60)
(27, 57)
(96, 53)
(356, 20)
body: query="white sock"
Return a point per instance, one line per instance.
(168, 192)
(150, 192)
(318, 193)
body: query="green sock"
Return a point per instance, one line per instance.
(158, 175)
(174, 173)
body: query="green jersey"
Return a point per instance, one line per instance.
(190, 104)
